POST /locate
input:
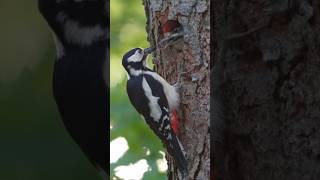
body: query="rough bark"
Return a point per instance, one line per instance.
(190, 57)
(267, 65)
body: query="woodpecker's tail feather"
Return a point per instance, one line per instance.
(178, 155)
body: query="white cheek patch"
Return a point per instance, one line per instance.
(81, 35)
(170, 91)
(137, 57)
(155, 112)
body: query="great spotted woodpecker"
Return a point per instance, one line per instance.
(81, 77)
(154, 98)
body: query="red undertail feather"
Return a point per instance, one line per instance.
(174, 122)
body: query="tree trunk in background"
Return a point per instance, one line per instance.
(191, 55)
(267, 69)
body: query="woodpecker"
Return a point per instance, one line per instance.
(154, 98)
(81, 77)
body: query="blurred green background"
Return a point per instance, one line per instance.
(128, 30)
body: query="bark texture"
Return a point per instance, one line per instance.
(190, 57)
(267, 98)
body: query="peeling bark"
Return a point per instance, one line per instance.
(190, 58)
(268, 68)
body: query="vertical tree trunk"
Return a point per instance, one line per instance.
(191, 58)
(267, 65)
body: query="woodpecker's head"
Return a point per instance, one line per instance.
(134, 61)
(76, 23)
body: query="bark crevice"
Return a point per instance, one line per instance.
(269, 81)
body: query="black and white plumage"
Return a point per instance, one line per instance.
(154, 98)
(81, 72)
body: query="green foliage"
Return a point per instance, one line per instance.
(128, 24)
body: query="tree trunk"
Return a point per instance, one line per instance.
(190, 58)
(266, 74)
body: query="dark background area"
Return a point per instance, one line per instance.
(266, 80)
(33, 142)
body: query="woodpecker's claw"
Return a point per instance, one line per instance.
(178, 84)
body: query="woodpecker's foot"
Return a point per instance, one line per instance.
(177, 86)
(179, 83)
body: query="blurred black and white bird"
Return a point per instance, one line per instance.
(81, 72)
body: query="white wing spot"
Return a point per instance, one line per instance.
(155, 112)
(169, 136)
(168, 126)
(163, 120)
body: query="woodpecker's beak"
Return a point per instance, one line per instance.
(148, 50)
